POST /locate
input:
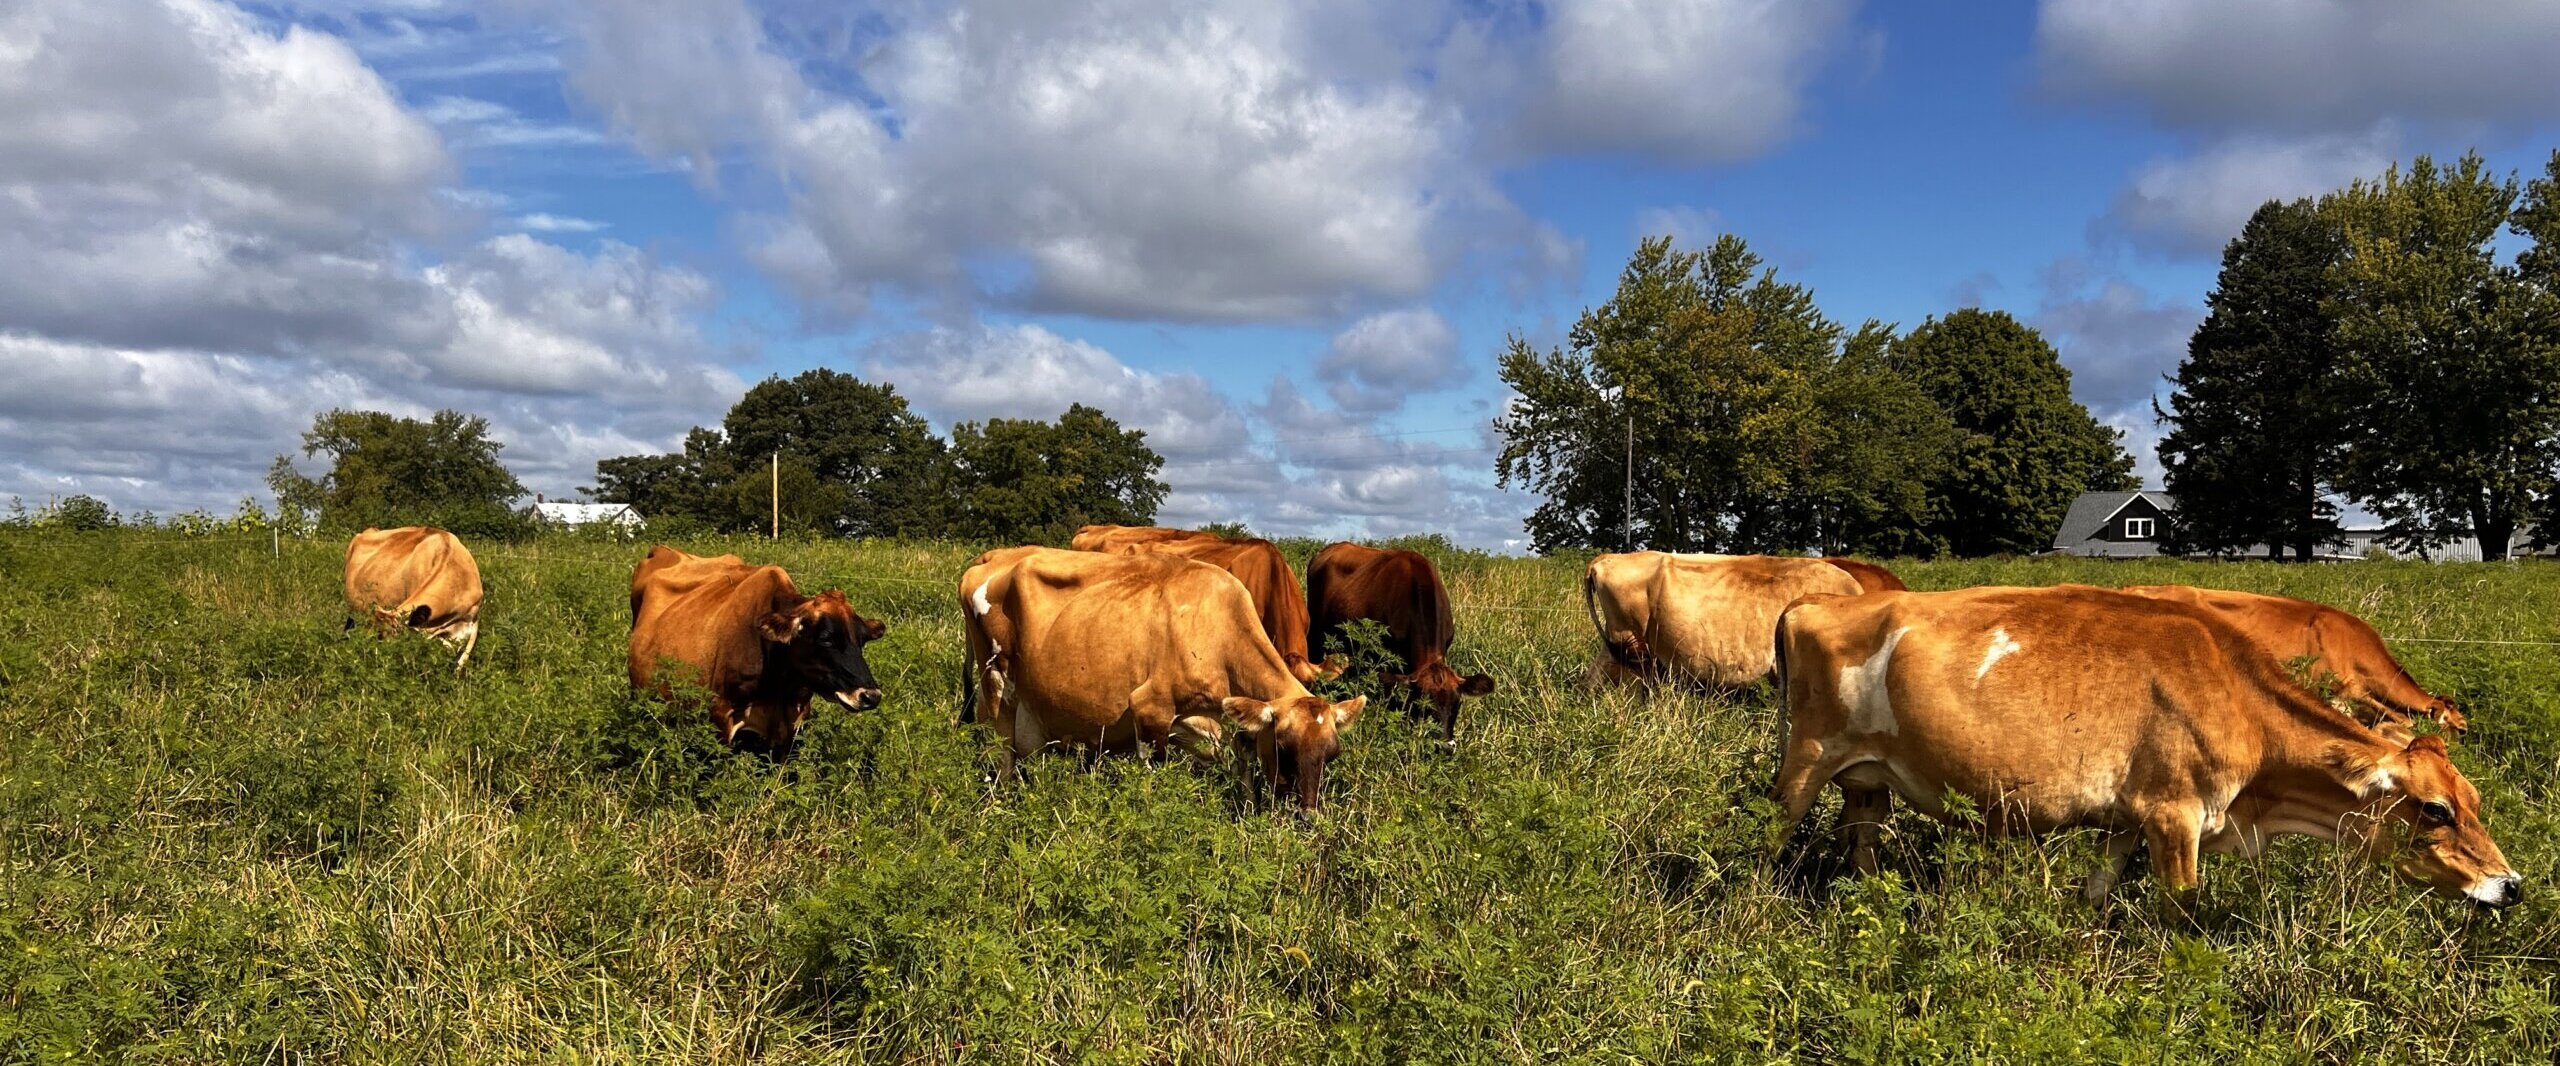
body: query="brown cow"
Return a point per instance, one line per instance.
(1708, 619)
(1266, 575)
(751, 641)
(1400, 590)
(420, 577)
(1871, 578)
(2372, 683)
(2154, 720)
(1106, 538)
(1109, 652)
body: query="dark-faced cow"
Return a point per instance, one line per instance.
(1266, 576)
(419, 577)
(1706, 619)
(2153, 720)
(1400, 590)
(746, 639)
(2369, 681)
(1141, 652)
(1108, 538)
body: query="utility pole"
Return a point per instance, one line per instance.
(1627, 518)
(777, 496)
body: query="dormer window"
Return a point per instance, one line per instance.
(2138, 528)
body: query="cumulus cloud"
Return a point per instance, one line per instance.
(1684, 82)
(2193, 205)
(2305, 66)
(1225, 160)
(210, 230)
(1376, 362)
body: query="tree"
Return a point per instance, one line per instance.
(2454, 352)
(2257, 421)
(1016, 480)
(1753, 426)
(881, 467)
(385, 471)
(2024, 448)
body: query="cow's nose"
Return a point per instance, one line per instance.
(2514, 893)
(866, 699)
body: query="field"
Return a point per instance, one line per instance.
(231, 832)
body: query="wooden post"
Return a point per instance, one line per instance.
(777, 496)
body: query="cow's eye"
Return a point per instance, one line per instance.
(2434, 813)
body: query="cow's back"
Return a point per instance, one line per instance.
(1265, 574)
(1096, 538)
(1714, 619)
(2335, 642)
(2061, 702)
(1394, 587)
(701, 612)
(1101, 634)
(400, 570)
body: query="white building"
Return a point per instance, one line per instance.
(618, 515)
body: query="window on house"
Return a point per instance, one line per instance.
(2138, 528)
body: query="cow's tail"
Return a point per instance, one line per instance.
(968, 693)
(1627, 648)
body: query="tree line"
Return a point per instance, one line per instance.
(1710, 405)
(848, 456)
(2370, 345)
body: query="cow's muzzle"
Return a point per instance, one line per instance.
(2504, 890)
(861, 699)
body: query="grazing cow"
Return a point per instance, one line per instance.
(1707, 619)
(1871, 578)
(1107, 538)
(1105, 652)
(751, 641)
(2369, 681)
(982, 631)
(2154, 720)
(1400, 590)
(1266, 575)
(419, 577)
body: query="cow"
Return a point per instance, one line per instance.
(2370, 683)
(1266, 575)
(1400, 590)
(1706, 619)
(1871, 578)
(419, 577)
(1107, 538)
(2155, 721)
(1143, 652)
(755, 647)
(981, 631)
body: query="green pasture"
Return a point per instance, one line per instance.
(231, 831)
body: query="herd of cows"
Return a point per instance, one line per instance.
(2177, 719)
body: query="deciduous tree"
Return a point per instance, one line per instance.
(386, 470)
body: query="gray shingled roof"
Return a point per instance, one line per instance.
(2090, 512)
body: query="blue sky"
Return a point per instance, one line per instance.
(1286, 239)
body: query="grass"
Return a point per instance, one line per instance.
(231, 832)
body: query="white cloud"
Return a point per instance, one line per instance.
(540, 222)
(1675, 81)
(2193, 205)
(1376, 362)
(2116, 339)
(474, 123)
(2306, 65)
(1688, 227)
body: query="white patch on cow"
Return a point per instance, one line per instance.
(978, 599)
(1862, 690)
(2495, 889)
(2001, 648)
(1268, 714)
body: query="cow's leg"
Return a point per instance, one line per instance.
(470, 640)
(2113, 854)
(1864, 809)
(1801, 775)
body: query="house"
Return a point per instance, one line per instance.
(2126, 525)
(573, 515)
(2114, 525)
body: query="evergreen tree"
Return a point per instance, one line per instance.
(2257, 422)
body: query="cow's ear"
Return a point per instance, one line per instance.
(1476, 685)
(872, 628)
(1252, 715)
(780, 626)
(1347, 712)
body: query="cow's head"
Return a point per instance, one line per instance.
(821, 638)
(1294, 737)
(2443, 845)
(1441, 687)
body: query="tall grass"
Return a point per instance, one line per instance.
(231, 832)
